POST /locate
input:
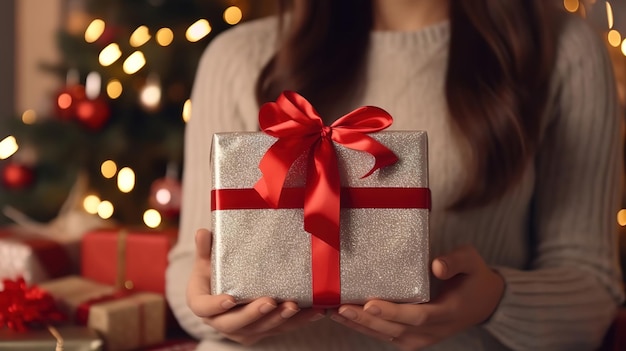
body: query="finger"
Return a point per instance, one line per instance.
(361, 328)
(464, 259)
(420, 315)
(242, 316)
(203, 239)
(384, 327)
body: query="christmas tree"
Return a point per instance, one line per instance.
(118, 120)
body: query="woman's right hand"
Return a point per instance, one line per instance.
(245, 324)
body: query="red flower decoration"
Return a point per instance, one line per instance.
(22, 306)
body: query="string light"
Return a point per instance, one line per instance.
(134, 62)
(105, 209)
(152, 218)
(109, 54)
(571, 5)
(91, 203)
(94, 30)
(609, 15)
(614, 38)
(150, 96)
(624, 47)
(126, 180)
(93, 85)
(200, 29)
(140, 36)
(114, 89)
(232, 15)
(164, 36)
(29, 117)
(621, 217)
(187, 111)
(8, 146)
(108, 169)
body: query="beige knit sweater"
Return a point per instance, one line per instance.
(562, 286)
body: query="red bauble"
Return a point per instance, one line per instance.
(165, 196)
(93, 113)
(17, 176)
(67, 100)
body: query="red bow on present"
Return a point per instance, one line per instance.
(21, 305)
(300, 129)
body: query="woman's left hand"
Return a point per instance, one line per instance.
(470, 293)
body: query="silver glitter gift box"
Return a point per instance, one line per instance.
(266, 252)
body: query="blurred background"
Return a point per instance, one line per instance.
(94, 97)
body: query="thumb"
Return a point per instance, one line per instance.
(462, 260)
(204, 240)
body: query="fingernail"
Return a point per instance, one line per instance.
(228, 304)
(316, 317)
(373, 310)
(289, 312)
(266, 308)
(348, 313)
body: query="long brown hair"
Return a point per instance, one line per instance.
(499, 67)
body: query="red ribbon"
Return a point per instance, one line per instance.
(22, 306)
(299, 130)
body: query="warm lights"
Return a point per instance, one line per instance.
(609, 15)
(126, 180)
(140, 36)
(134, 62)
(64, 101)
(614, 38)
(150, 95)
(152, 218)
(93, 85)
(200, 29)
(94, 30)
(571, 5)
(29, 117)
(108, 169)
(164, 36)
(621, 217)
(187, 111)
(109, 54)
(114, 88)
(91, 203)
(624, 47)
(105, 209)
(8, 146)
(232, 15)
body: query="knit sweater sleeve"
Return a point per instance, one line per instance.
(222, 87)
(567, 298)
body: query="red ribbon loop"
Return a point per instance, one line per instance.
(300, 129)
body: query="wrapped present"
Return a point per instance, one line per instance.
(130, 259)
(320, 215)
(72, 338)
(124, 319)
(33, 257)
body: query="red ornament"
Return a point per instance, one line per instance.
(67, 100)
(93, 113)
(17, 176)
(165, 196)
(22, 306)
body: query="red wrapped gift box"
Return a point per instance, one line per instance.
(130, 259)
(35, 258)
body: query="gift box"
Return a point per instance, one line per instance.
(124, 319)
(130, 259)
(36, 259)
(74, 338)
(380, 248)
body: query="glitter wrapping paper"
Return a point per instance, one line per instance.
(266, 252)
(125, 321)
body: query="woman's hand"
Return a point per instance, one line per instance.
(245, 324)
(470, 293)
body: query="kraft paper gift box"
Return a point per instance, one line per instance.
(33, 257)
(127, 258)
(75, 338)
(125, 320)
(259, 250)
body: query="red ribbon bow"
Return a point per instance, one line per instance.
(22, 305)
(300, 129)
